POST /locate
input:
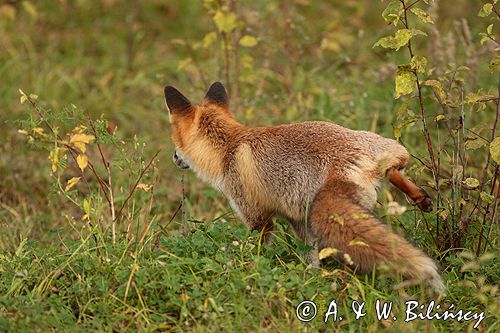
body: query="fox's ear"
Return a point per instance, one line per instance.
(217, 94)
(176, 101)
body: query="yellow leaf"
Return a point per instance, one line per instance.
(418, 63)
(438, 88)
(337, 218)
(357, 242)
(439, 117)
(80, 140)
(184, 297)
(405, 81)
(38, 130)
(82, 161)
(23, 99)
(495, 150)
(30, 8)
(21, 131)
(209, 39)
(33, 96)
(348, 259)
(145, 187)
(54, 157)
(225, 22)
(327, 252)
(248, 41)
(72, 182)
(422, 15)
(79, 129)
(361, 216)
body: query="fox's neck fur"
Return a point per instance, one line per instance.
(208, 143)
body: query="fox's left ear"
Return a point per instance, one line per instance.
(217, 94)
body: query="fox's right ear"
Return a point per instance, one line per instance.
(176, 101)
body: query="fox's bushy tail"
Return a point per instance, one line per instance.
(340, 223)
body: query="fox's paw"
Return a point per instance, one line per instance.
(425, 203)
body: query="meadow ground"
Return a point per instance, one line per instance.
(93, 233)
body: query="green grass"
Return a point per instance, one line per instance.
(59, 272)
(215, 278)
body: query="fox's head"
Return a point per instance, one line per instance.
(197, 129)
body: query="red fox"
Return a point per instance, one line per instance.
(321, 177)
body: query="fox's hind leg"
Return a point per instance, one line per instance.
(417, 194)
(303, 231)
(393, 167)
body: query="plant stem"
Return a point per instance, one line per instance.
(132, 190)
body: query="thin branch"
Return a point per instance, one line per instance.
(487, 164)
(118, 214)
(73, 151)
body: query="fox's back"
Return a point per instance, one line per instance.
(292, 161)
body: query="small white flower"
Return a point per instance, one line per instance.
(395, 209)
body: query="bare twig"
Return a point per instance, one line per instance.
(183, 225)
(485, 178)
(132, 190)
(422, 110)
(488, 157)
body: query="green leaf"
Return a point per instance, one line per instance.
(399, 128)
(422, 15)
(438, 88)
(471, 183)
(392, 12)
(209, 39)
(495, 64)
(405, 81)
(418, 63)
(403, 108)
(477, 97)
(400, 39)
(225, 22)
(487, 198)
(248, 41)
(474, 143)
(486, 10)
(489, 29)
(484, 38)
(495, 150)
(439, 117)
(86, 206)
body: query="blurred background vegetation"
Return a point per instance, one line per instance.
(311, 60)
(282, 61)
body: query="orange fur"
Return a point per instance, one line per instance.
(288, 169)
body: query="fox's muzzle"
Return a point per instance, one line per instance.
(179, 162)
